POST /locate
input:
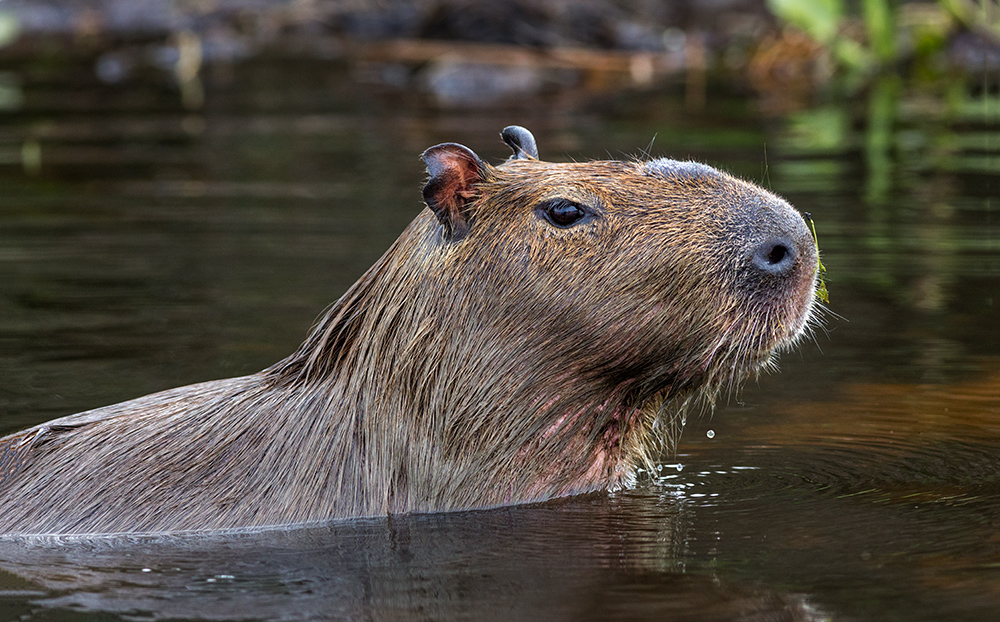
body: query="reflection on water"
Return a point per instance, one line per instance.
(562, 561)
(143, 247)
(883, 496)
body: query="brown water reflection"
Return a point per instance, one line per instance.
(884, 497)
(151, 247)
(898, 415)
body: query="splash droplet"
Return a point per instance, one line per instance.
(710, 434)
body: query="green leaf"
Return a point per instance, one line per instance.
(821, 291)
(850, 54)
(820, 19)
(10, 28)
(881, 24)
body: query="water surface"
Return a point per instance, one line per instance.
(145, 246)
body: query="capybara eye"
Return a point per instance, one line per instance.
(562, 212)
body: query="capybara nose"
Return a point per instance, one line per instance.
(776, 256)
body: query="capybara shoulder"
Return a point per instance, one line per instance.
(528, 336)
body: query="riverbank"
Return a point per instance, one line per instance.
(462, 53)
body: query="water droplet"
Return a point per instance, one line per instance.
(680, 467)
(710, 434)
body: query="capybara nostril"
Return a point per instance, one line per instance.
(776, 256)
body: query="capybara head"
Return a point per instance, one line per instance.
(540, 314)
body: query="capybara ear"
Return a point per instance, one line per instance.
(521, 141)
(455, 170)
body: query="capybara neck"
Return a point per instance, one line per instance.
(528, 336)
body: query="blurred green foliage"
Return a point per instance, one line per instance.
(982, 15)
(883, 32)
(820, 19)
(10, 28)
(11, 97)
(880, 22)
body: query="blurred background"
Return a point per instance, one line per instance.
(182, 162)
(185, 185)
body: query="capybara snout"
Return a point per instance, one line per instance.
(762, 248)
(528, 336)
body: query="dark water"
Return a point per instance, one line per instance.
(143, 246)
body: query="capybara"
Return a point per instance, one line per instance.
(525, 338)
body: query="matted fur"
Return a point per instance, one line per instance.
(513, 363)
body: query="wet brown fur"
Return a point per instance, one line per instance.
(498, 360)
